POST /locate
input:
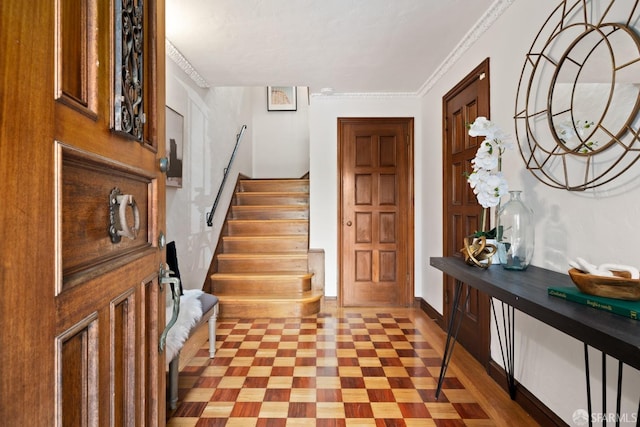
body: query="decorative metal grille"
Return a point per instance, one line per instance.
(129, 115)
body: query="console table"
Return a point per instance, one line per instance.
(526, 291)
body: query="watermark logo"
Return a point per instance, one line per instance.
(580, 417)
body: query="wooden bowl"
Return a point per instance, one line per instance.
(621, 286)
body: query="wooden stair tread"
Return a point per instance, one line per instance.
(291, 185)
(266, 237)
(270, 180)
(271, 221)
(277, 194)
(258, 199)
(306, 296)
(267, 227)
(266, 255)
(262, 275)
(266, 211)
(272, 207)
(274, 181)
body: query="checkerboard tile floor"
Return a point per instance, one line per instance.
(346, 370)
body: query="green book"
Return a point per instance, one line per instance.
(625, 308)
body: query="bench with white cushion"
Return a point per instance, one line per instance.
(209, 314)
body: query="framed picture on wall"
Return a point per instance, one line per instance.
(175, 146)
(282, 98)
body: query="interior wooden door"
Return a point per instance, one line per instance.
(376, 211)
(81, 307)
(468, 100)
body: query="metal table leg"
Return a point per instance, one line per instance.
(508, 349)
(506, 338)
(455, 320)
(604, 389)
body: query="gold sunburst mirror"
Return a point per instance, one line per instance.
(578, 98)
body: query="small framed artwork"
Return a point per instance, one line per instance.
(282, 98)
(175, 146)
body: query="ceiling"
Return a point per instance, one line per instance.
(349, 46)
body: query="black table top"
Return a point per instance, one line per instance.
(616, 335)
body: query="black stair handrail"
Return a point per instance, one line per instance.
(224, 178)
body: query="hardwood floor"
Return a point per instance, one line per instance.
(341, 367)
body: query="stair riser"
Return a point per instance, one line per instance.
(262, 265)
(259, 287)
(239, 310)
(301, 186)
(294, 212)
(266, 245)
(257, 199)
(267, 228)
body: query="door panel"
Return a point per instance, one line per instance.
(122, 323)
(376, 212)
(151, 311)
(77, 51)
(469, 99)
(87, 182)
(77, 355)
(82, 310)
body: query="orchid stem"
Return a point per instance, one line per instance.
(483, 220)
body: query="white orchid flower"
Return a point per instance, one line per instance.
(486, 180)
(490, 188)
(482, 127)
(487, 156)
(566, 130)
(476, 177)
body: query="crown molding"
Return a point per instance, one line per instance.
(481, 26)
(375, 95)
(484, 23)
(184, 64)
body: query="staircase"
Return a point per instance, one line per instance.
(262, 269)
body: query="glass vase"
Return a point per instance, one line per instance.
(515, 233)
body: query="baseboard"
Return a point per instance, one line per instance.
(534, 407)
(527, 400)
(431, 312)
(329, 303)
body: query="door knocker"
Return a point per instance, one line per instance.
(118, 226)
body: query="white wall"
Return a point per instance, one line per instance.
(324, 113)
(601, 225)
(281, 138)
(279, 141)
(212, 118)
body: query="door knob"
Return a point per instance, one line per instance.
(164, 164)
(349, 223)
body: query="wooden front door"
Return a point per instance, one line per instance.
(81, 309)
(468, 100)
(376, 211)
